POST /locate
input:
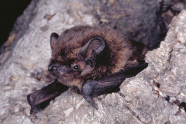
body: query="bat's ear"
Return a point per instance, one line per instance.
(88, 53)
(53, 40)
(92, 48)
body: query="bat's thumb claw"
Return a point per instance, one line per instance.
(33, 110)
(95, 105)
(91, 101)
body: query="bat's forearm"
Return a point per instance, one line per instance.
(123, 74)
(109, 83)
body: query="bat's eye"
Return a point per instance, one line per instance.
(75, 67)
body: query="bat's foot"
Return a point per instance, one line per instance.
(94, 88)
(88, 92)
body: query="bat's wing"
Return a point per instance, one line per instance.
(108, 84)
(40, 99)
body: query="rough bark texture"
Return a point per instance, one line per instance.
(156, 95)
(134, 18)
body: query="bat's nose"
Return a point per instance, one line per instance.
(52, 68)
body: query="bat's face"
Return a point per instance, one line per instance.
(67, 71)
(73, 62)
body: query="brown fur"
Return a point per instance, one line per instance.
(119, 52)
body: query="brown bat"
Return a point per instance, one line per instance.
(94, 59)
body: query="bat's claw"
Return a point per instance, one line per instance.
(91, 101)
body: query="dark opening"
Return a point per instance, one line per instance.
(9, 11)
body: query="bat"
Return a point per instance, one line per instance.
(94, 59)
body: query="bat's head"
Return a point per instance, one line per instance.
(82, 53)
